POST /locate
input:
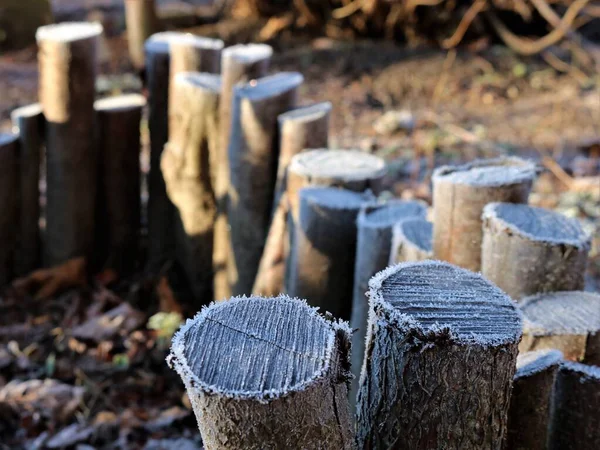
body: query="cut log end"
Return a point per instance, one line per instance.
(346, 165)
(531, 363)
(332, 198)
(35, 109)
(198, 42)
(290, 347)
(247, 53)
(412, 241)
(537, 224)
(160, 42)
(68, 31)
(386, 215)
(120, 103)
(306, 114)
(206, 81)
(488, 173)
(434, 297)
(8, 138)
(270, 86)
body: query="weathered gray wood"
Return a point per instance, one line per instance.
(67, 60)
(28, 121)
(459, 196)
(253, 154)
(160, 212)
(527, 250)
(266, 373)
(568, 321)
(412, 241)
(439, 360)
(322, 265)
(239, 64)
(118, 200)
(375, 223)
(302, 128)
(9, 186)
(575, 422)
(529, 414)
(141, 23)
(187, 164)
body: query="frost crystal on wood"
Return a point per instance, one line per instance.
(411, 241)
(568, 321)
(459, 196)
(529, 414)
(375, 223)
(266, 373)
(439, 360)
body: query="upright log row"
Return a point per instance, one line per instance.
(266, 373)
(253, 155)
(527, 250)
(459, 196)
(441, 347)
(68, 64)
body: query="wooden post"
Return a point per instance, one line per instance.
(253, 155)
(322, 264)
(527, 250)
(299, 129)
(374, 242)
(529, 414)
(9, 186)
(118, 202)
(575, 422)
(568, 321)
(68, 66)
(141, 23)
(239, 64)
(459, 195)
(28, 121)
(411, 241)
(277, 382)
(439, 360)
(186, 165)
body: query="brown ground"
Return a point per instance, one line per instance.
(462, 105)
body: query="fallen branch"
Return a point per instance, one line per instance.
(45, 283)
(464, 24)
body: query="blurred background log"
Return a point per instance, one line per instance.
(411, 241)
(141, 23)
(9, 203)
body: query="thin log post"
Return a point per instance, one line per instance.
(568, 321)
(9, 185)
(529, 414)
(459, 196)
(239, 64)
(141, 22)
(411, 241)
(186, 165)
(439, 360)
(299, 129)
(28, 121)
(528, 250)
(325, 248)
(253, 156)
(118, 201)
(277, 382)
(575, 422)
(68, 64)
(374, 242)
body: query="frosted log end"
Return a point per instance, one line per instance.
(306, 114)
(35, 109)
(255, 348)
(347, 165)
(68, 31)
(437, 298)
(488, 173)
(120, 103)
(161, 42)
(385, 215)
(207, 81)
(531, 363)
(333, 198)
(269, 86)
(416, 232)
(248, 53)
(8, 138)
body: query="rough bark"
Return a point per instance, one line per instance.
(253, 154)
(567, 321)
(160, 212)
(239, 64)
(411, 241)
(302, 128)
(29, 122)
(374, 242)
(575, 422)
(529, 414)
(280, 381)
(459, 196)
(439, 360)
(118, 201)
(527, 250)
(9, 185)
(68, 65)
(186, 165)
(141, 22)
(321, 268)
